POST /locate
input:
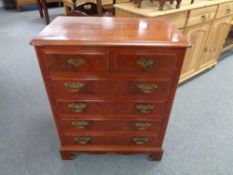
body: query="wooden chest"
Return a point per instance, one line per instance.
(110, 82)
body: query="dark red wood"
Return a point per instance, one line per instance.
(110, 76)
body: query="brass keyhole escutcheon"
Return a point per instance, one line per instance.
(145, 108)
(147, 88)
(80, 124)
(74, 86)
(82, 140)
(77, 107)
(145, 63)
(76, 62)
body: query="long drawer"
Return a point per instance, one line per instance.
(73, 88)
(115, 107)
(77, 125)
(111, 140)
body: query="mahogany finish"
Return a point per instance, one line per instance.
(110, 82)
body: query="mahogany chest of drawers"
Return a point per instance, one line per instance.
(110, 82)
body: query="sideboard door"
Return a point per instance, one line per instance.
(197, 35)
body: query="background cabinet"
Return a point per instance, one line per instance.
(215, 41)
(197, 35)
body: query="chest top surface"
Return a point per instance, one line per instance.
(108, 31)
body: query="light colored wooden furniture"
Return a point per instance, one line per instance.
(205, 23)
(111, 82)
(20, 3)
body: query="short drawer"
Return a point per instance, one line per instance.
(202, 15)
(80, 60)
(225, 10)
(76, 125)
(111, 140)
(111, 107)
(73, 88)
(143, 61)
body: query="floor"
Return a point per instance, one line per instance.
(199, 139)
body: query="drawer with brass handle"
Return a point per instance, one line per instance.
(111, 140)
(75, 125)
(77, 61)
(111, 107)
(73, 88)
(225, 9)
(143, 62)
(203, 15)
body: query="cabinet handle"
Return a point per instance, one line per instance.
(228, 10)
(74, 86)
(76, 62)
(145, 63)
(203, 18)
(80, 124)
(77, 107)
(205, 49)
(147, 88)
(82, 140)
(142, 125)
(145, 108)
(140, 140)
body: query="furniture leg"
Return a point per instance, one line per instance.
(178, 3)
(157, 156)
(67, 155)
(171, 1)
(40, 8)
(161, 4)
(192, 1)
(139, 3)
(66, 9)
(99, 8)
(45, 9)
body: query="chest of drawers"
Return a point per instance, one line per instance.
(110, 82)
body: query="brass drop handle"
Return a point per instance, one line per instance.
(203, 18)
(142, 125)
(140, 140)
(82, 140)
(80, 124)
(147, 88)
(145, 108)
(74, 86)
(77, 107)
(145, 63)
(228, 10)
(76, 62)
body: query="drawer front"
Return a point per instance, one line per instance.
(82, 107)
(78, 61)
(75, 87)
(201, 15)
(143, 62)
(225, 10)
(111, 140)
(72, 125)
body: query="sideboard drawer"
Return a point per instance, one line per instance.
(143, 62)
(111, 140)
(83, 61)
(73, 88)
(225, 10)
(201, 15)
(77, 125)
(104, 107)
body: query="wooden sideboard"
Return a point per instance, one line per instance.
(111, 82)
(205, 23)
